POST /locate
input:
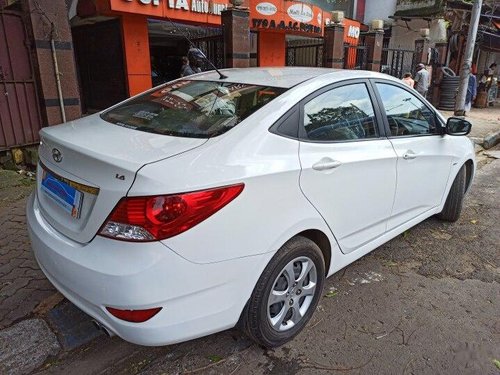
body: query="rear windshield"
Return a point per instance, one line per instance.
(199, 109)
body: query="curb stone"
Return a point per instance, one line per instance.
(491, 139)
(25, 346)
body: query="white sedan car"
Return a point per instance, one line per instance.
(207, 203)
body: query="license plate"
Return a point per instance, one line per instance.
(66, 196)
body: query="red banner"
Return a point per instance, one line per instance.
(194, 11)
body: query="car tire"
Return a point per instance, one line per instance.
(453, 204)
(279, 308)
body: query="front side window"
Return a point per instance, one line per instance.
(406, 114)
(198, 109)
(343, 113)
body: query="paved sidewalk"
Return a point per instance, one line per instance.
(467, 253)
(22, 285)
(484, 120)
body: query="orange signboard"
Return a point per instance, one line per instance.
(286, 16)
(352, 30)
(196, 11)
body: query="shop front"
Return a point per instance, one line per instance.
(144, 41)
(291, 32)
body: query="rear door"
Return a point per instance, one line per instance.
(424, 156)
(348, 165)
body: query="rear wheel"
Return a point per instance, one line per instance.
(286, 294)
(453, 206)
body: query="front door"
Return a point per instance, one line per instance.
(20, 118)
(348, 167)
(424, 156)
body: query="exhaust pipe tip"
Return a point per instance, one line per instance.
(96, 324)
(102, 328)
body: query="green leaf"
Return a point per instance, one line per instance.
(214, 358)
(390, 263)
(496, 362)
(332, 293)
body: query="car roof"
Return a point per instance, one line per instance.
(285, 77)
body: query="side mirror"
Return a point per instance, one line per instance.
(458, 126)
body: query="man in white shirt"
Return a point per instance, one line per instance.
(422, 80)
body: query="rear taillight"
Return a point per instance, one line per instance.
(163, 216)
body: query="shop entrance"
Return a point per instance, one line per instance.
(99, 59)
(168, 43)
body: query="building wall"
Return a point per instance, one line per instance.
(404, 36)
(40, 14)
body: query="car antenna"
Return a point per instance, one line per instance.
(196, 50)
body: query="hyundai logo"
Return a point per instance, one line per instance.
(56, 155)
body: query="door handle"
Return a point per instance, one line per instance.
(408, 155)
(326, 164)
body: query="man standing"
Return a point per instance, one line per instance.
(186, 69)
(422, 80)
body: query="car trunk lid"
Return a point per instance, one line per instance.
(87, 165)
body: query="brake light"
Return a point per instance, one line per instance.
(163, 216)
(134, 316)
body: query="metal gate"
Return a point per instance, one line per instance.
(304, 52)
(20, 118)
(398, 61)
(355, 57)
(213, 48)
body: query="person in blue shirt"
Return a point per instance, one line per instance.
(471, 91)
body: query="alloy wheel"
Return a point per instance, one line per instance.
(292, 294)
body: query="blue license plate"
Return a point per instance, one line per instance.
(66, 196)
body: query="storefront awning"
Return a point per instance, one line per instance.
(419, 8)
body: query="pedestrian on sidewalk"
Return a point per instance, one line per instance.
(186, 69)
(471, 90)
(408, 80)
(422, 80)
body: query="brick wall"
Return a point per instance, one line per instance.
(46, 20)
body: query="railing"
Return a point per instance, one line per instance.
(213, 47)
(356, 57)
(398, 61)
(305, 52)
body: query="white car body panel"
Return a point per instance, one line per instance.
(217, 263)
(109, 157)
(421, 180)
(270, 173)
(339, 189)
(90, 276)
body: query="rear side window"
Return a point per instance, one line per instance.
(198, 109)
(343, 113)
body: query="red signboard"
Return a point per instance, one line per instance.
(352, 30)
(195, 11)
(292, 17)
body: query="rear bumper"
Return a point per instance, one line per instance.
(196, 299)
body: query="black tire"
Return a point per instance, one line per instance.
(453, 205)
(448, 72)
(255, 320)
